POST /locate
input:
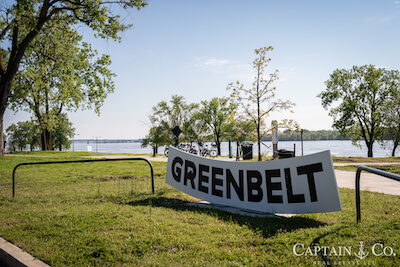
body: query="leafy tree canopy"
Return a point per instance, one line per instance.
(60, 72)
(21, 21)
(356, 98)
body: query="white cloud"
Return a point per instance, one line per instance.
(211, 63)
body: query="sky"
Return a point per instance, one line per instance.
(195, 48)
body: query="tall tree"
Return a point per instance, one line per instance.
(216, 114)
(391, 117)
(357, 97)
(157, 135)
(62, 133)
(258, 101)
(177, 113)
(60, 72)
(23, 20)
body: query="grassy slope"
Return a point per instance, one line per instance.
(94, 214)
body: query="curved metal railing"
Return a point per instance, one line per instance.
(80, 161)
(358, 176)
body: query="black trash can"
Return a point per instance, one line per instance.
(247, 149)
(283, 154)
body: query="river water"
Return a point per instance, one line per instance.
(337, 147)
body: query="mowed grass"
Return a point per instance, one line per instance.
(104, 214)
(395, 168)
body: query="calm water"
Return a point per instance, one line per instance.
(337, 148)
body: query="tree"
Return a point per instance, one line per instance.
(178, 113)
(22, 134)
(25, 19)
(196, 129)
(216, 114)
(260, 94)
(28, 133)
(62, 133)
(69, 76)
(391, 117)
(357, 97)
(156, 137)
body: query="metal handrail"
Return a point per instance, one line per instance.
(82, 161)
(371, 170)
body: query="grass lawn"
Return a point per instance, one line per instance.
(104, 214)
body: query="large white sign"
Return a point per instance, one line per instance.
(294, 185)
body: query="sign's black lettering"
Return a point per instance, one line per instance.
(310, 170)
(272, 186)
(230, 181)
(189, 175)
(254, 186)
(203, 178)
(292, 198)
(216, 181)
(177, 170)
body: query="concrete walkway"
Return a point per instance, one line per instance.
(13, 256)
(368, 181)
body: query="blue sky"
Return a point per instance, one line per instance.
(194, 48)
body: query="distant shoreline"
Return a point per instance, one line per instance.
(104, 141)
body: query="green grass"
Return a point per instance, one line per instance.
(395, 168)
(104, 214)
(363, 159)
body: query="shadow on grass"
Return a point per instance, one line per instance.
(316, 242)
(269, 226)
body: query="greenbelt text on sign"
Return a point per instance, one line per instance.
(295, 185)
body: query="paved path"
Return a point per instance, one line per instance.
(368, 181)
(365, 163)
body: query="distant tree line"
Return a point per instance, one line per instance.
(308, 135)
(25, 133)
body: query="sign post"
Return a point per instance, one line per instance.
(176, 131)
(274, 136)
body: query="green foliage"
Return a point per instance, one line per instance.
(357, 99)
(22, 21)
(22, 134)
(62, 133)
(217, 115)
(165, 117)
(60, 72)
(209, 120)
(242, 130)
(391, 118)
(156, 137)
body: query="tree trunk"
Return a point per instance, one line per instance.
(46, 140)
(5, 88)
(218, 143)
(2, 143)
(395, 145)
(369, 146)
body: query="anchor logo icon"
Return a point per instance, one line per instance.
(361, 253)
